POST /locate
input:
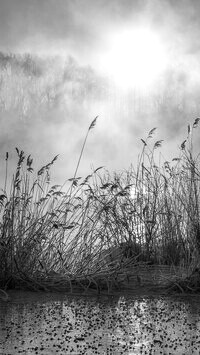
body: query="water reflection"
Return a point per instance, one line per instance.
(57, 324)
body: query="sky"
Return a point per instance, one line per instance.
(133, 63)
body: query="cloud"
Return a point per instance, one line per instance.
(80, 28)
(72, 27)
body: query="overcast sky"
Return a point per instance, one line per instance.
(46, 110)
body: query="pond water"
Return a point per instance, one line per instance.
(44, 324)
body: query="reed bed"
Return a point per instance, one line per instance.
(105, 226)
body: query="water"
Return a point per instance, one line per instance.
(39, 323)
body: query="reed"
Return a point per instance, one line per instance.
(105, 225)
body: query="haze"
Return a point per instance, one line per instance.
(135, 64)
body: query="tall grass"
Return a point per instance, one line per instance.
(104, 223)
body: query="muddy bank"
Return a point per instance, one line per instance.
(129, 278)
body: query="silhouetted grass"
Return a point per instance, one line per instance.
(104, 226)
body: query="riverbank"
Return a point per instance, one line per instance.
(139, 279)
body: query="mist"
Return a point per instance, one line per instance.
(52, 84)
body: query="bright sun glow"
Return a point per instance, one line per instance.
(135, 58)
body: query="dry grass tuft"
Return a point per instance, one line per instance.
(104, 226)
